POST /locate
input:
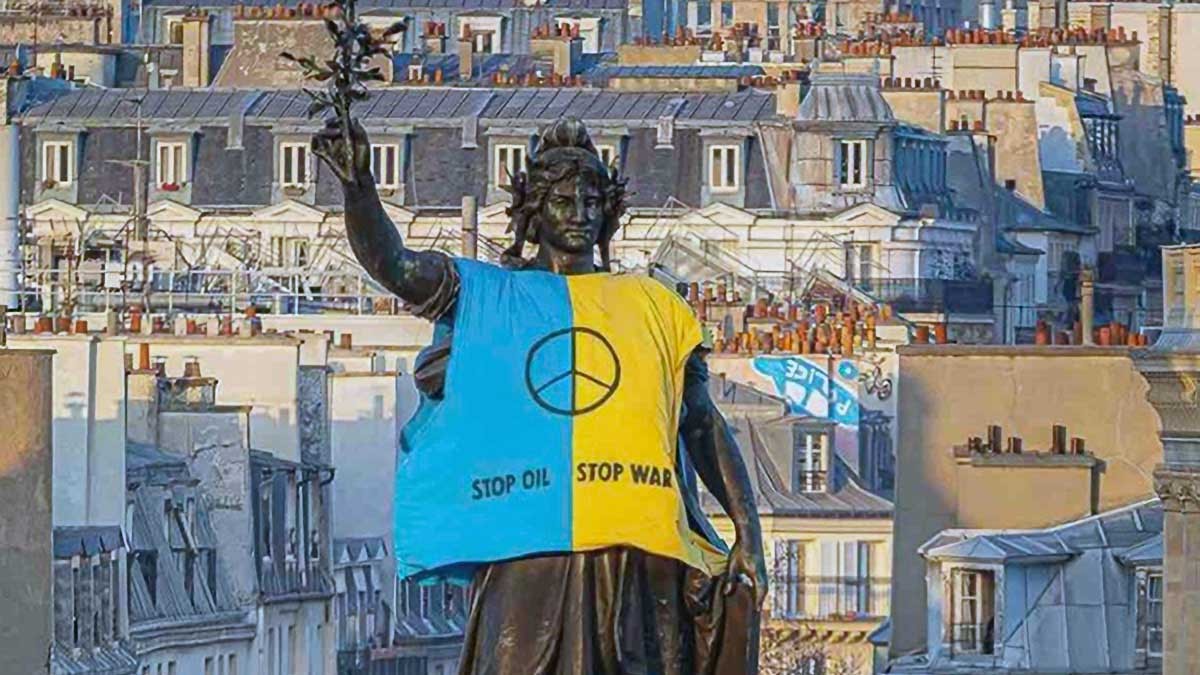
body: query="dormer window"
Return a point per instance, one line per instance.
(608, 155)
(507, 162)
(853, 170)
(482, 31)
(972, 607)
(810, 464)
(385, 165)
(170, 164)
(723, 168)
(58, 163)
(1150, 610)
(482, 43)
(293, 165)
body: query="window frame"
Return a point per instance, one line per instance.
(810, 479)
(395, 164)
(65, 149)
(613, 151)
(181, 147)
(173, 23)
(299, 150)
(984, 599)
(501, 177)
(845, 168)
(727, 184)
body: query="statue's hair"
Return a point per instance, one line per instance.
(564, 151)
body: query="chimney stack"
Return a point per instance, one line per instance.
(435, 38)
(466, 55)
(1058, 439)
(197, 49)
(1087, 308)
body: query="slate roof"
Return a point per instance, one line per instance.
(697, 71)
(352, 550)
(142, 457)
(1131, 527)
(416, 4)
(409, 103)
(109, 659)
(86, 540)
(516, 65)
(1013, 247)
(844, 98)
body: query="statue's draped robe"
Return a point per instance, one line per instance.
(616, 611)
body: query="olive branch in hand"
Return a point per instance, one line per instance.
(345, 74)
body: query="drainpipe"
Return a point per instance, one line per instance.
(1087, 309)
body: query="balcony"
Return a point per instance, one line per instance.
(830, 598)
(920, 295)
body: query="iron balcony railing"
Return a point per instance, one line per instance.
(957, 296)
(830, 598)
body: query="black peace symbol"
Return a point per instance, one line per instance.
(574, 407)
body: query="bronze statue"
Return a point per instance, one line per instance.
(616, 611)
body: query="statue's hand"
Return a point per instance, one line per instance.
(351, 163)
(747, 566)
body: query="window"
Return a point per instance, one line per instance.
(1151, 622)
(508, 161)
(293, 164)
(385, 165)
(788, 584)
(972, 611)
(170, 165)
(608, 155)
(208, 666)
(863, 262)
(723, 174)
(809, 451)
(852, 164)
(774, 42)
(293, 657)
(58, 163)
(170, 668)
(265, 518)
(482, 42)
(175, 31)
(726, 14)
(231, 668)
(844, 587)
(704, 16)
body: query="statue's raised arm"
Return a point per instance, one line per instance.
(423, 279)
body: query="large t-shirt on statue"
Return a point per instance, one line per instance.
(558, 427)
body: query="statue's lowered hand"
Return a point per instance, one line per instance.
(347, 152)
(748, 567)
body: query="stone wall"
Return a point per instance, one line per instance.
(26, 530)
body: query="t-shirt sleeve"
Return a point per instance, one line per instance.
(439, 304)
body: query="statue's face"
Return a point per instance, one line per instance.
(572, 216)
